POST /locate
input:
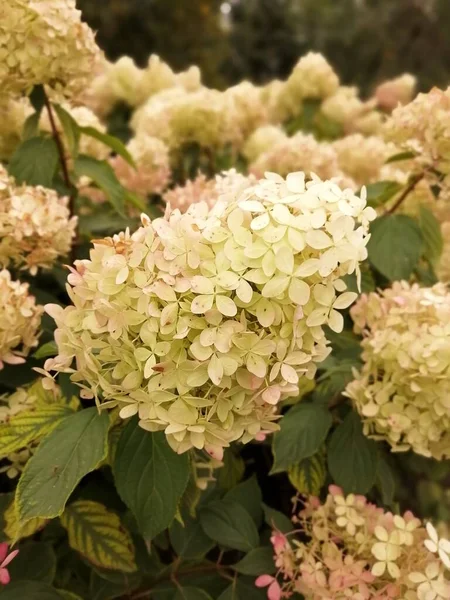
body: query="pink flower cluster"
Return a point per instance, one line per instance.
(348, 548)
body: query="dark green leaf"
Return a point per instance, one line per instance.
(231, 593)
(109, 140)
(37, 98)
(382, 191)
(150, 477)
(232, 471)
(189, 540)
(352, 457)
(36, 561)
(277, 520)
(76, 447)
(70, 127)
(30, 590)
(400, 156)
(31, 126)
(103, 589)
(431, 233)
(248, 495)
(191, 593)
(303, 430)
(229, 524)
(395, 246)
(46, 350)
(35, 161)
(385, 481)
(308, 476)
(103, 175)
(257, 562)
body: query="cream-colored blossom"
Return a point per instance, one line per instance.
(402, 392)
(20, 319)
(44, 42)
(262, 140)
(312, 78)
(250, 111)
(393, 92)
(151, 173)
(190, 80)
(201, 322)
(35, 225)
(385, 559)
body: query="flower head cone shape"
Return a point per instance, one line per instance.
(402, 392)
(45, 42)
(381, 557)
(201, 322)
(20, 319)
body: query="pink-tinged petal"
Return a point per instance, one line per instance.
(274, 591)
(4, 577)
(9, 558)
(278, 541)
(264, 580)
(3, 551)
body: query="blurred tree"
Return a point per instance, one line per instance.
(181, 32)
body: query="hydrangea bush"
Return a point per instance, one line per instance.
(224, 329)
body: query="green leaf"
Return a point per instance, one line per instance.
(308, 476)
(5, 502)
(36, 561)
(46, 350)
(248, 494)
(352, 457)
(31, 126)
(189, 540)
(257, 562)
(37, 98)
(232, 471)
(70, 127)
(432, 235)
(103, 589)
(97, 534)
(29, 426)
(303, 430)
(76, 447)
(400, 156)
(229, 524)
(109, 140)
(150, 477)
(385, 481)
(35, 161)
(30, 590)
(395, 246)
(191, 593)
(231, 593)
(103, 175)
(14, 531)
(382, 191)
(277, 520)
(69, 595)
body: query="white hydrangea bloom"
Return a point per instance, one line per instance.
(346, 108)
(35, 225)
(262, 140)
(13, 114)
(250, 109)
(202, 322)
(44, 42)
(403, 389)
(20, 319)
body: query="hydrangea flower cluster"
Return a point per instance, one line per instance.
(20, 319)
(355, 550)
(393, 92)
(44, 42)
(227, 185)
(25, 399)
(202, 322)
(346, 108)
(35, 225)
(13, 114)
(206, 117)
(422, 127)
(262, 140)
(250, 109)
(151, 174)
(402, 392)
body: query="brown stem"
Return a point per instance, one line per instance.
(60, 147)
(408, 189)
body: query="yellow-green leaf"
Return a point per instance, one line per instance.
(97, 534)
(30, 426)
(14, 531)
(308, 476)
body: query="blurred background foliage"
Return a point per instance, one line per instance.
(365, 40)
